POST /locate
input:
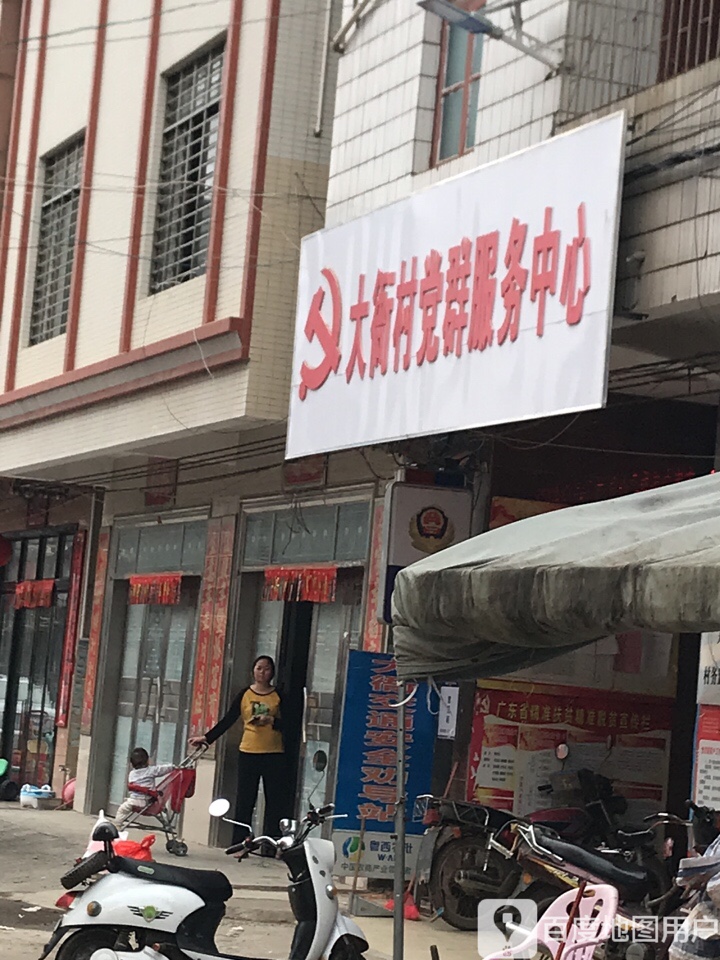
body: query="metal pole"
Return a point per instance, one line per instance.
(399, 879)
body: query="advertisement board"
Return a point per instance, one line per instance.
(367, 777)
(708, 689)
(706, 790)
(515, 732)
(484, 299)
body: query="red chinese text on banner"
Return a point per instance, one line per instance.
(160, 588)
(34, 593)
(313, 584)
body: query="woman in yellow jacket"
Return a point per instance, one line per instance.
(261, 747)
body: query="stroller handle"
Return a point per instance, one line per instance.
(192, 758)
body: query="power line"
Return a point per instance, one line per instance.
(185, 31)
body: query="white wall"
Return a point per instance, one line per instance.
(386, 99)
(293, 204)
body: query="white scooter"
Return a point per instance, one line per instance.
(172, 912)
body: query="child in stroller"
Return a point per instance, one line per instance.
(142, 775)
(158, 791)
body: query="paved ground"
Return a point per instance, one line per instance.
(37, 847)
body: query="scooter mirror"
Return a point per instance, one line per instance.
(219, 807)
(319, 760)
(562, 751)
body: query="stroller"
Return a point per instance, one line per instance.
(165, 801)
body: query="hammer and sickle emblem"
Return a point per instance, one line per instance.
(312, 378)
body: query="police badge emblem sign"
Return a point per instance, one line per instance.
(420, 521)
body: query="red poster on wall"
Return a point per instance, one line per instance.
(707, 757)
(515, 733)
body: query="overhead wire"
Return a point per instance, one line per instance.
(93, 28)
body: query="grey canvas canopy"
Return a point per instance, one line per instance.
(531, 590)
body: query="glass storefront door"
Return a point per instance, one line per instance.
(310, 643)
(155, 686)
(336, 630)
(31, 642)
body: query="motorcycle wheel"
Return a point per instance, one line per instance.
(459, 909)
(82, 944)
(346, 948)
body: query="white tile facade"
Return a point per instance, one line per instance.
(669, 260)
(293, 204)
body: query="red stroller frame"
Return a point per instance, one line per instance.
(165, 802)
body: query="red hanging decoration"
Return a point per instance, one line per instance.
(160, 588)
(312, 584)
(6, 551)
(34, 593)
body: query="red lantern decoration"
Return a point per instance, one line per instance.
(6, 551)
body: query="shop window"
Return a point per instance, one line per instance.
(126, 551)
(56, 242)
(690, 36)
(258, 539)
(193, 546)
(187, 167)
(50, 557)
(305, 534)
(30, 567)
(353, 530)
(308, 534)
(161, 547)
(456, 105)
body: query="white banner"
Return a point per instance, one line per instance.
(484, 299)
(708, 688)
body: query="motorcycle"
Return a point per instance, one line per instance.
(140, 909)
(550, 866)
(699, 936)
(461, 866)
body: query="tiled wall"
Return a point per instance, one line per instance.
(386, 99)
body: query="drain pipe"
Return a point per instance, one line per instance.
(338, 43)
(317, 132)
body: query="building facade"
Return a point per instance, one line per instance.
(421, 100)
(162, 169)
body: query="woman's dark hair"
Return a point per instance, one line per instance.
(264, 656)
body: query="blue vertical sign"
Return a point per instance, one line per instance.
(367, 774)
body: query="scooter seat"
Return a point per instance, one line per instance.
(210, 885)
(631, 881)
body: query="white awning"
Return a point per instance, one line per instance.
(531, 590)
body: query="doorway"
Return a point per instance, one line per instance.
(310, 644)
(31, 644)
(155, 685)
(292, 667)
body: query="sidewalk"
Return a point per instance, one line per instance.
(38, 847)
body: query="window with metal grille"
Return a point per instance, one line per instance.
(187, 166)
(690, 36)
(458, 87)
(56, 243)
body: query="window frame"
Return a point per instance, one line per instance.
(443, 90)
(57, 238)
(178, 245)
(683, 25)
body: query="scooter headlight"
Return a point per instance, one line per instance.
(330, 891)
